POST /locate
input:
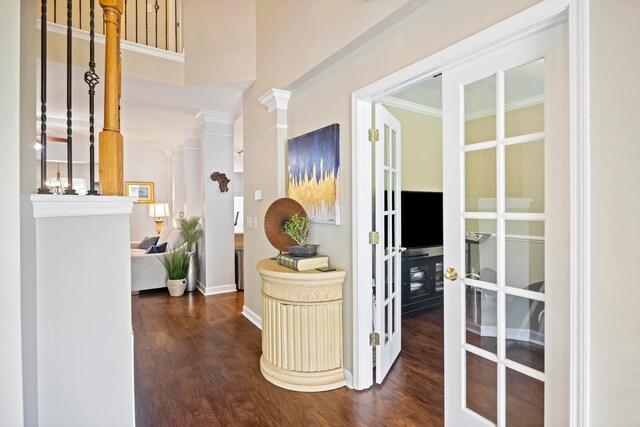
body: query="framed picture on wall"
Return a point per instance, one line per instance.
(141, 191)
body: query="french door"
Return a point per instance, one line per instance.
(386, 253)
(506, 187)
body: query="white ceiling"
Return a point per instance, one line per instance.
(153, 114)
(524, 84)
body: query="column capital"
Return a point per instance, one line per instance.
(210, 116)
(275, 99)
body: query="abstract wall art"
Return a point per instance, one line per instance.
(314, 165)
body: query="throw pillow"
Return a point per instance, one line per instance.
(157, 249)
(148, 242)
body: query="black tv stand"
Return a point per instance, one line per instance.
(422, 280)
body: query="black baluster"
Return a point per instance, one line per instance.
(55, 11)
(166, 24)
(69, 189)
(156, 7)
(136, 21)
(125, 19)
(92, 79)
(80, 14)
(146, 22)
(175, 27)
(43, 100)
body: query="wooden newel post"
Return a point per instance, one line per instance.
(111, 142)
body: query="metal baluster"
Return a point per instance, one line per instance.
(43, 100)
(146, 22)
(156, 7)
(136, 21)
(92, 79)
(55, 11)
(175, 27)
(69, 189)
(80, 14)
(166, 24)
(125, 19)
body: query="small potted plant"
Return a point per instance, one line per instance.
(177, 264)
(297, 227)
(192, 232)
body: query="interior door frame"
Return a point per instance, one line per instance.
(534, 19)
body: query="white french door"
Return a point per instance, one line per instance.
(386, 254)
(506, 187)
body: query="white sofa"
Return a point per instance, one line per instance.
(147, 270)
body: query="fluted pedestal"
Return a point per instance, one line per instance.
(301, 327)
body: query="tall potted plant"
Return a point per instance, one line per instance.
(177, 264)
(192, 232)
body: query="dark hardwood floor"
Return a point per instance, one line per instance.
(197, 364)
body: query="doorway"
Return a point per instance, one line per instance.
(363, 311)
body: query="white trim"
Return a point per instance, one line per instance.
(125, 44)
(56, 206)
(278, 126)
(361, 264)
(515, 105)
(412, 106)
(534, 19)
(275, 99)
(210, 116)
(580, 140)
(348, 378)
(214, 290)
(252, 316)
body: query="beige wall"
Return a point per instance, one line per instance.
(326, 99)
(229, 31)
(615, 175)
(421, 150)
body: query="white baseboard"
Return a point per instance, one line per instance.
(252, 316)
(213, 290)
(348, 378)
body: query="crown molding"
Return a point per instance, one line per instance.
(412, 106)
(275, 99)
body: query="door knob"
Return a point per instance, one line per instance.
(451, 274)
(402, 249)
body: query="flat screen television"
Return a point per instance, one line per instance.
(421, 219)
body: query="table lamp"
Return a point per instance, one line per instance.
(159, 211)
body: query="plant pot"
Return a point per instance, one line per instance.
(303, 251)
(192, 273)
(176, 287)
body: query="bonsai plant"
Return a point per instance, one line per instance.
(297, 227)
(177, 264)
(192, 232)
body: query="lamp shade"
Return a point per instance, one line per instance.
(158, 210)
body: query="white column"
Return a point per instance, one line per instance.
(193, 179)
(277, 101)
(216, 253)
(178, 184)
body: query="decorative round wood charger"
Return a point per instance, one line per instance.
(277, 214)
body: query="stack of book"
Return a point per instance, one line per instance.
(303, 263)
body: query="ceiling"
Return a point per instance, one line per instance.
(524, 85)
(153, 115)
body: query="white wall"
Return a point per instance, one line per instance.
(326, 98)
(85, 342)
(11, 385)
(614, 347)
(147, 165)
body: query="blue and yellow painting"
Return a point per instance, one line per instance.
(314, 164)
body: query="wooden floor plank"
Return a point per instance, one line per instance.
(197, 364)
